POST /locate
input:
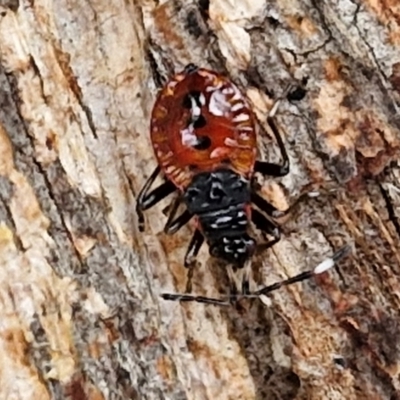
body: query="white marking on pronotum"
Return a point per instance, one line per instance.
(179, 174)
(188, 136)
(237, 107)
(202, 99)
(230, 142)
(164, 156)
(237, 95)
(219, 105)
(218, 152)
(227, 90)
(212, 88)
(170, 170)
(196, 110)
(172, 84)
(240, 118)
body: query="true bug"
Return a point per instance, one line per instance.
(204, 136)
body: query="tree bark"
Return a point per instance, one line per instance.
(81, 316)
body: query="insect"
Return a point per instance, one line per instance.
(203, 133)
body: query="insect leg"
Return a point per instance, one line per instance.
(319, 269)
(198, 299)
(147, 199)
(273, 169)
(266, 226)
(194, 247)
(191, 254)
(271, 210)
(246, 280)
(174, 224)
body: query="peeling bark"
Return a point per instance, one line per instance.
(81, 315)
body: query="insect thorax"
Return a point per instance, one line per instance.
(220, 199)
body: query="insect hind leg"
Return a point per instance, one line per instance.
(175, 223)
(266, 226)
(190, 257)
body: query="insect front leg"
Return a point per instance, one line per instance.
(148, 199)
(273, 169)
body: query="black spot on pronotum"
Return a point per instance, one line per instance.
(187, 100)
(203, 143)
(200, 122)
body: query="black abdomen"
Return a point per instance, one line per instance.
(220, 200)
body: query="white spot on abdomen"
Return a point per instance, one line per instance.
(223, 220)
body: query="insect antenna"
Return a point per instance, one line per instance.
(319, 269)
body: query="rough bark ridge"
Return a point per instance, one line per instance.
(81, 316)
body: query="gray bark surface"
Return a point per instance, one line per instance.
(80, 312)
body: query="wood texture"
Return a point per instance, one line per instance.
(80, 312)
